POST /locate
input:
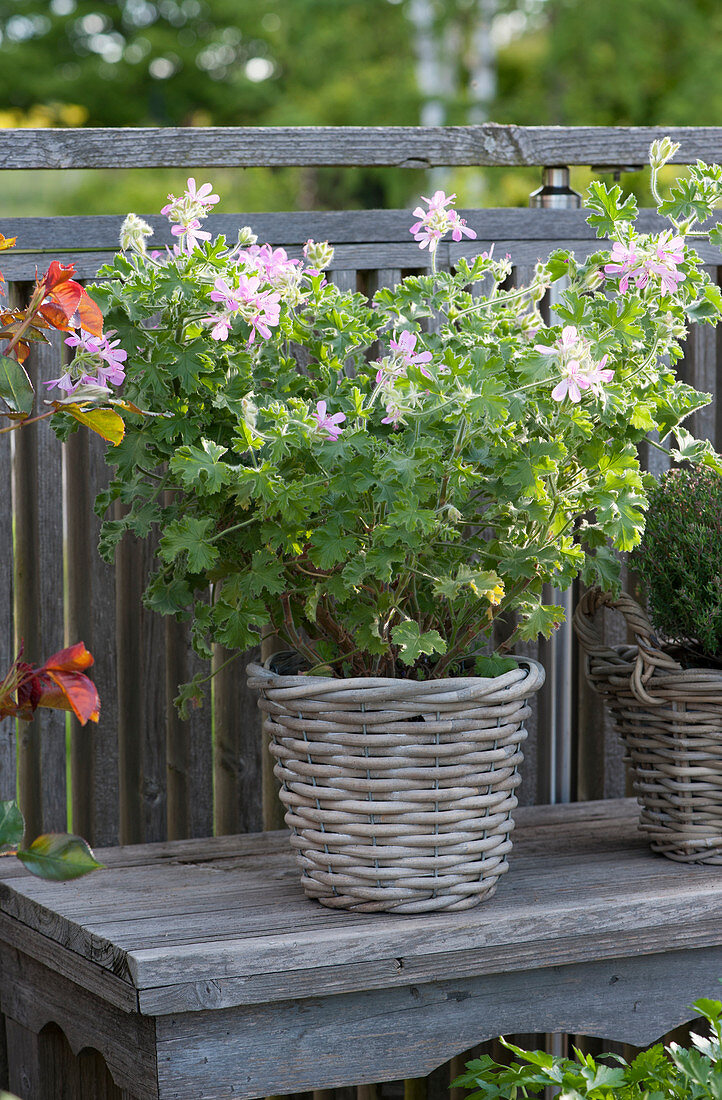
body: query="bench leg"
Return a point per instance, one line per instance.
(23, 1050)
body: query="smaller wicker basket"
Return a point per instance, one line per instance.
(398, 793)
(670, 720)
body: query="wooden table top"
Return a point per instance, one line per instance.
(220, 922)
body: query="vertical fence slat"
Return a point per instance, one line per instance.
(700, 371)
(91, 618)
(37, 505)
(141, 698)
(7, 647)
(188, 742)
(238, 764)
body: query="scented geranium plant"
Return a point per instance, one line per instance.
(381, 480)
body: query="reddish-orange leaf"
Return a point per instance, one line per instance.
(67, 295)
(75, 658)
(66, 688)
(72, 691)
(89, 316)
(55, 316)
(57, 274)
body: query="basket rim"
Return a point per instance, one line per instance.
(530, 678)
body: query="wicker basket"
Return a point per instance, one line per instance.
(399, 793)
(670, 720)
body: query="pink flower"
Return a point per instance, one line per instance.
(64, 382)
(572, 384)
(268, 313)
(221, 326)
(598, 375)
(192, 232)
(203, 195)
(435, 222)
(329, 424)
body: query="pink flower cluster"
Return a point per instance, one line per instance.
(634, 262)
(579, 371)
(187, 211)
(261, 309)
(92, 354)
(437, 221)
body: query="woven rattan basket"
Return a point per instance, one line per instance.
(670, 720)
(398, 793)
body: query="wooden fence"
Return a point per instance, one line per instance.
(142, 774)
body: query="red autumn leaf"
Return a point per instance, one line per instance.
(57, 274)
(75, 658)
(73, 691)
(60, 685)
(67, 296)
(89, 316)
(55, 315)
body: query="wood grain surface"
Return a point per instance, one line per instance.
(211, 924)
(399, 146)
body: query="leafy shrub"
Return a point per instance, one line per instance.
(660, 1073)
(680, 559)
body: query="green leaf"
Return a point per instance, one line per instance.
(494, 665)
(413, 643)
(12, 826)
(686, 202)
(200, 467)
(708, 307)
(188, 536)
(607, 208)
(59, 857)
(543, 619)
(15, 386)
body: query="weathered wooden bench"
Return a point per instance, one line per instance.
(198, 969)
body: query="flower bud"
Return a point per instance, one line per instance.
(133, 233)
(661, 151)
(246, 237)
(319, 254)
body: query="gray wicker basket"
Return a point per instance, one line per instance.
(398, 793)
(670, 720)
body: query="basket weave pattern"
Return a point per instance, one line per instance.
(670, 720)
(398, 792)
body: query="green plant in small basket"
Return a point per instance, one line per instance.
(673, 1072)
(679, 560)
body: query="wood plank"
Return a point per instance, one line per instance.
(413, 1029)
(91, 618)
(100, 232)
(24, 1078)
(8, 782)
(141, 698)
(34, 995)
(399, 146)
(238, 745)
(699, 369)
(38, 589)
(98, 979)
(188, 742)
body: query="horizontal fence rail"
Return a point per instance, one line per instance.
(490, 144)
(142, 774)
